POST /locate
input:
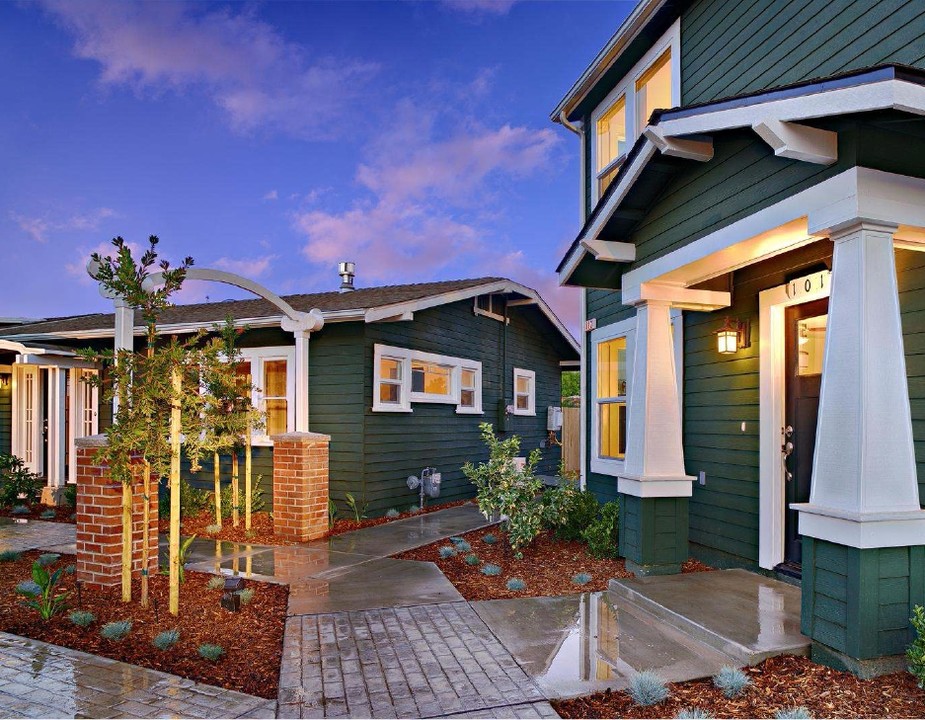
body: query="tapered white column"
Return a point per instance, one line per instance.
(864, 487)
(301, 380)
(124, 335)
(654, 452)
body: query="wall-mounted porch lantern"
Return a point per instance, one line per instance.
(4, 381)
(733, 335)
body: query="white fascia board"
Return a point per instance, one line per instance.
(889, 94)
(679, 297)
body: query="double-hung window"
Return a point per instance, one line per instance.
(402, 377)
(524, 392)
(652, 84)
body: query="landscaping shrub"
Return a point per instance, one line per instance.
(414, 509)
(258, 501)
(213, 529)
(602, 534)
(46, 602)
(732, 681)
(692, 714)
(392, 513)
(69, 495)
(793, 713)
(489, 539)
(504, 490)
(568, 510)
(10, 556)
(357, 507)
(447, 551)
(48, 514)
(246, 595)
(916, 651)
(29, 588)
(116, 630)
(516, 585)
(211, 652)
(647, 688)
(216, 583)
(166, 639)
(472, 559)
(490, 569)
(82, 618)
(581, 578)
(463, 547)
(192, 500)
(20, 510)
(456, 540)
(15, 480)
(46, 559)
(70, 569)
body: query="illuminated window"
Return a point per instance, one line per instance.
(402, 377)
(467, 388)
(265, 371)
(275, 401)
(524, 392)
(611, 143)
(653, 90)
(390, 381)
(611, 398)
(431, 379)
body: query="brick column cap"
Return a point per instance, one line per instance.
(301, 437)
(92, 441)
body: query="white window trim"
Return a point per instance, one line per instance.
(257, 357)
(407, 398)
(627, 87)
(531, 408)
(627, 329)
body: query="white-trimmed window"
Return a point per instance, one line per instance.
(524, 392)
(270, 371)
(653, 83)
(611, 377)
(402, 376)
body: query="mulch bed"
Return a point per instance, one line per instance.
(63, 513)
(261, 532)
(342, 525)
(777, 683)
(252, 638)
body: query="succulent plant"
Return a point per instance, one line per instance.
(46, 559)
(116, 630)
(20, 510)
(490, 569)
(463, 547)
(213, 529)
(246, 595)
(793, 713)
(516, 585)
(211, 652)
(581, 578)
(48, 514)
(447, 551)
(489, 539)
(647, 688)
(472, 559)
(82, 618)
(392, 513)
(732, 681)
(692, 714)
(216, 582)
(10, 556)
(29, 588)
(166, 639)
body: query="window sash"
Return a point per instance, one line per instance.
(524, 392)
(439, 379)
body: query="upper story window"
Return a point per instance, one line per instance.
(402, 376)
(653, 83)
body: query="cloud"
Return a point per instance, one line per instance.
(272, 195)
(247, 69)
(480, 7)
(78, 266)
(39, 228)
(248, 267)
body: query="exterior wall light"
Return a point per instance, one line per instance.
(733, 335)
(4, 381)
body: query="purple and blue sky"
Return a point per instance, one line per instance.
(277, 139)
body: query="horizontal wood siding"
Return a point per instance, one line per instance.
(261, 471)
(730, 47)
(401, 444)
(6, 414)
(720, 393)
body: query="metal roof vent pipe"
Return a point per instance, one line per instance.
(347, 271)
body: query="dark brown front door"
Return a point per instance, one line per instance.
(805, 341)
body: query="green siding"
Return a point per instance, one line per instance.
(401, 444)
(730, 48)
(653, 533)
(261, 471)
(6, 414)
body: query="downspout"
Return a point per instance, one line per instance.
(563, 119)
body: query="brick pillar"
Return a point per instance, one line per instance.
(99, 519)
(300, 486)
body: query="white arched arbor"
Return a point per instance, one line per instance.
(300, 324)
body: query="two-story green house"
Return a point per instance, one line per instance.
(753, 184)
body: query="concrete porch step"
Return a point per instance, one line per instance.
(742, 614)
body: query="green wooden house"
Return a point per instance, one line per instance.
(400, 377)
(753, 177)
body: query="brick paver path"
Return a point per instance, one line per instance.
(421, 661)
(38, 680)
(35, 534)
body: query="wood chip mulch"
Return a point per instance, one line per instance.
(252, 638)
(63, 513)
(777, 683)
(261, 532)
(548, 566)
(342, 525)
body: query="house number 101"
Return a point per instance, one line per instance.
(807, 285)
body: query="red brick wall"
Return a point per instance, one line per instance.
(99, 520)
(300, 486)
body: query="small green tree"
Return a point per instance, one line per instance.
(916, 651)
(503, 489)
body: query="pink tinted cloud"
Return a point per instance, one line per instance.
(40, 228)
(480, 7)
(244, 65)
(248, 267)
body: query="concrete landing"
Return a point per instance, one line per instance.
(742, 614)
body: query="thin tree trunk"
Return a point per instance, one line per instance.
(235, 495)
(177, 385)
(216, 461)
(145, 532)
(247, 481)
(126, 542)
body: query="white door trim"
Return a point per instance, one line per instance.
(771, 347)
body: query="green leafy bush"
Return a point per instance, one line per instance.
(17, 480)
(116, 630)
(647, 688)
(216, 583)
(472, 559)
(46, 602)
(581, 578)
(916, 651)
(602, 534)
(732, 681)
(192, 500)
(246, 595)
(516, 585)
(46, 559)
(258, 501)
(502, 489)
(490, 569)
(10, 556)
(211, 652)
(69, 495)
(166, 639)
(82, 618)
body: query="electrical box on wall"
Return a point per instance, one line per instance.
(553, 418)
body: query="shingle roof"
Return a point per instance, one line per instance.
(360, 299)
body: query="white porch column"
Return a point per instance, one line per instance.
(301, 380)
(864, 487)
(124, 335)
(654, 452)
(57, 440)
